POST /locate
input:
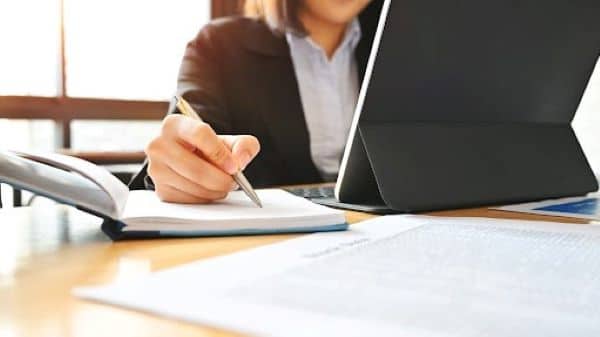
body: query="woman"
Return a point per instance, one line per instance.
(284, 82)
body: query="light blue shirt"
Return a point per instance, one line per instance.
(329, 92)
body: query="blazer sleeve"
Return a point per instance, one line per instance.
(200, 83)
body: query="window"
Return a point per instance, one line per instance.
(123, 135)
(29, 60)
(91, 60)
(128, 49)
(21, 134)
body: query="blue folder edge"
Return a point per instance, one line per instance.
(115, 231)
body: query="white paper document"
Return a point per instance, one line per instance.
(391, 276)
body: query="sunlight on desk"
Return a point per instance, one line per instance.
(48, 251)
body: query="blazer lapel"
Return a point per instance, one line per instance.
(282, 109)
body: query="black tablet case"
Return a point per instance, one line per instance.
(470, 103)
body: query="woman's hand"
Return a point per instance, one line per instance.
(189, 163)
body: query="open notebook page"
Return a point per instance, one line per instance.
(145, 211)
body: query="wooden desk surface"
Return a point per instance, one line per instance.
(45, 252)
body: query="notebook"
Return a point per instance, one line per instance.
(282, 212)
(141, 214)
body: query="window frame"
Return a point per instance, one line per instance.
(63, 109)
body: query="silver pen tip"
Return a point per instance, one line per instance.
(241, 180)
(257, 200)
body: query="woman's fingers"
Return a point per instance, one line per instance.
(198, 170)
(171, 194)
(243, 147)
(203, 138)
(171, 178)
(190, 163)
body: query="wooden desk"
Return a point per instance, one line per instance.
(45, 252)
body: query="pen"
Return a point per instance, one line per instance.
(186, 109)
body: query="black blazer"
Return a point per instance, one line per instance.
(238, 75)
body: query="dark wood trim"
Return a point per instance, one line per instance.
(62, 128)
(62, 137)
(107, 157)
(62, 80)
(17, 198)
(68, 108)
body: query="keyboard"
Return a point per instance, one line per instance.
(323, 192)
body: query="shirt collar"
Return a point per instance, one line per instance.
(353, 34)
(351, 38)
